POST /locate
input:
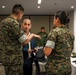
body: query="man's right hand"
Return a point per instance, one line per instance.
(29, 50)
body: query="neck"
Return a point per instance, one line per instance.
(60, 25)
(27, 33)
(14, 16)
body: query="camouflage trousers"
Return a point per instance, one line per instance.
(13, 70)
(59, 73)
(2, 71)
(53, 71)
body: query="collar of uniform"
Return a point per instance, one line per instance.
(12, 17)
(61, 27)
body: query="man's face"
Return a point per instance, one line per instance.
(26, 25)
(42, 30)
(20, 15)
(55, 21)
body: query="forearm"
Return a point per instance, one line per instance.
(25, 39)
(47, 51)
(30, 37)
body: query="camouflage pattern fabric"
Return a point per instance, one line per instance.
(2, 71)
(10, 48)
(40, 42)
(59, 60)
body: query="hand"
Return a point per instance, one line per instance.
(36, 49)
(29, 50)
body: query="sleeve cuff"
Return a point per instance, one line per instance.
(22, 38)
(50, 44)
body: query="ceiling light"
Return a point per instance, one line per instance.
(38, 7)
(39, 1)
(3, 6)
(72, 6)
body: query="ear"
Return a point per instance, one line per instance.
(18, 15)
(57, 20)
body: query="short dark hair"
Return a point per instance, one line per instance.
(17, 9)
(42, 27)
(63, 17)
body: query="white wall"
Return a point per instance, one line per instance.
(72, 27)
(75, 30)
(71, 24)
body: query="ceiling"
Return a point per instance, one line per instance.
(47, 7)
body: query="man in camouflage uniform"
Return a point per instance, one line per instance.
(43, 34)
(59, 46)
(10, 47)
(40, 43)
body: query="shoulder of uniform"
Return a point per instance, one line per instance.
(13, 20)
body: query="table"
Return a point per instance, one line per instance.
(73, 65)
